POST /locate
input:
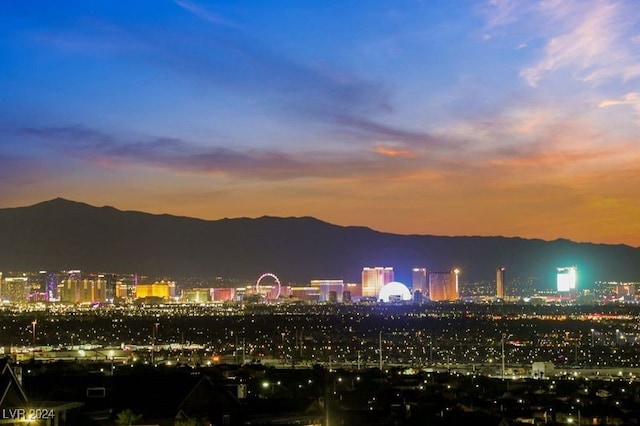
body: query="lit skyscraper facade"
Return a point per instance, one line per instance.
(443, 286)
(76, 289)
(438, 282)
(223, 294)
(352, 291)
(93, 289)
(110, 281)
(373, 279)
(163, 290)
(330, 290)
(567, 279)
(70, 288)
(500, 290)
(419, 281)
(196, 295)
(15, 289)
(48, 285)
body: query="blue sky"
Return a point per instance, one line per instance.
(502, 117)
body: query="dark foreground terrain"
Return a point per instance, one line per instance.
(82, 394)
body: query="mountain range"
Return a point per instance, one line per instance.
(60, 234)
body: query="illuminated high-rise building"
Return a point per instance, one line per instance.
(419, 281)
(438, 282)
(93, 289)
(306, 293)
(500, 290)
(15, 289)
(352, 292)
(70, 287)
(122, 290)
(567, 279)
(162, 290)
(125, 286)
(373, 279)
(285, 291)
(226, 294)
(625, 289)
(333, 288)
(110, 285)
(48, 285)
(443, 286)
(454, 288)
(196, 295)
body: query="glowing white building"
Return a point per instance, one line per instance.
(567, 279)
(394, 292)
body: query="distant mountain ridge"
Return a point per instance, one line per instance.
(61, 234)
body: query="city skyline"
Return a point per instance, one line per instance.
(434, 118)
(72, 287)
(61, 235)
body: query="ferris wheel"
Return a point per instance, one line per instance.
(277, 286)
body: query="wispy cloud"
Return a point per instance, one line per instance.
(592, 41)
(177, 156)
(205, 14)
(632, 99)
(503, 12)
(559, 159)
(376, 131)
(238, 63)
(545, 143)
(392, 151)
(593, 47)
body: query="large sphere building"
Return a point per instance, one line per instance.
(394, 292)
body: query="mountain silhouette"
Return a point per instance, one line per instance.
(60, 234)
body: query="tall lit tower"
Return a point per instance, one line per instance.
(438, 286)
(453, 290)
(70, 288)
(419, 281)
(110, 287)
(444, 286)
(48, 285)
(567, 278)
(373, 279)
(500, 282)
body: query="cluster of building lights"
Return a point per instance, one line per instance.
(377, 284)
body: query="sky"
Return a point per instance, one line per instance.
(499, 117)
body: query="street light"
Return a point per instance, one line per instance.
(268, 385)
(339, 380)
